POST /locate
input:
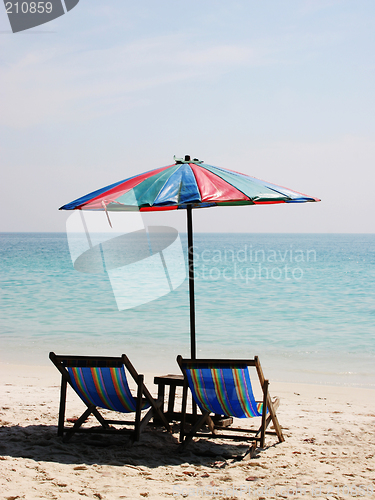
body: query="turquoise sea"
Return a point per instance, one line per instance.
(304, 303)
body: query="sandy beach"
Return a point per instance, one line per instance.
(329, 449)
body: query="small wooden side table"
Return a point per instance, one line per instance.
(172, 381)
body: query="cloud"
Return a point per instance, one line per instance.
(60, 84)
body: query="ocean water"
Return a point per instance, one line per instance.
(304, 303)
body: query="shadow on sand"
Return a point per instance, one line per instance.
(156, 447)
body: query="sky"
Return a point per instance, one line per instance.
(280, 90)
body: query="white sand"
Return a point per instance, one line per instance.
(328, 452)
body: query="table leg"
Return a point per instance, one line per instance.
(161, 394)
(171, 398)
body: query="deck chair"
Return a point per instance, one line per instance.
(223, 387)
(101, 383)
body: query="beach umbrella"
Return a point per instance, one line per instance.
(186, 184)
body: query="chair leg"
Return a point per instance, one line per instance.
(156, 405)
(183, 412)
(200, 422)
(272, 409)
(137, 424)
(145, 420)
(78, 423)
(275, 404)
(100, 419)
(151, 413)
(60, 427)
(211, 425)
(264, 413)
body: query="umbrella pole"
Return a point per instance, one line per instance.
(191, 280)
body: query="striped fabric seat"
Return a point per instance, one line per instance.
(223, 390)
(101, 382)
(223, 387)
(105, 387)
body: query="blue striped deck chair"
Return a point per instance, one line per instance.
(223, 388)
(101, 382)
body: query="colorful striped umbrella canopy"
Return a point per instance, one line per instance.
(186, 184)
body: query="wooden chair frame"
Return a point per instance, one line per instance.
(143, 395)
(205, 418)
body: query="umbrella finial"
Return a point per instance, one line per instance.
(186, 160)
